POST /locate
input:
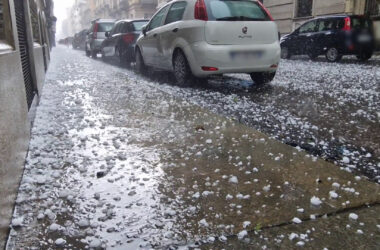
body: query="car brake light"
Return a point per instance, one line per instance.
(266, 10)
(200, 11)
(95, 34)
(347, 24)
(128, 38)
(206, 68)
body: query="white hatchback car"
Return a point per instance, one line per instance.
(198, 38)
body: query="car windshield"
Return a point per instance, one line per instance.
(104, 27)
(235, 10)
(138, 25)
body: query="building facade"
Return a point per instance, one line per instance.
(27, 30)
(290, 14)
(84, 11)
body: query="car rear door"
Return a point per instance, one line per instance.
(170, 31)
(150, 43)
(326, 35)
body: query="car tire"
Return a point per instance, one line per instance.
(262, 77)
(285, 53)
(140, 65)
(364, 56)
(181, 69)
(88, 53)
(333, 55)
(94, 54)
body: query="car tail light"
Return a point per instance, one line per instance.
(95, 34)
(266, 10)
(206, 68)
(347, 24)
(200, 11)
(128, 38)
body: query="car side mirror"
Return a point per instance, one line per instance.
(107, 34)
(144, 28)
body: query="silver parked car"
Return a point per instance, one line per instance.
(198, 38)
(96, 34)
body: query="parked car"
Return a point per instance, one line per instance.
(198, 38)
(96, 34)
(79, 41)
(333, 36)
(121, 40)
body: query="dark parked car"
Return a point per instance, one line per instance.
(79, 41)
(96, 35)
(121, 40)
(333, 36)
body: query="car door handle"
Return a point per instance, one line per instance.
(175, 30)
(155, 35)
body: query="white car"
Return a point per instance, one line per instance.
(198, 38)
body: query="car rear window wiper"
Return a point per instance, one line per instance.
(239, 18)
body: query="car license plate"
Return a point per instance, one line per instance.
(246, 55)
(364, 38)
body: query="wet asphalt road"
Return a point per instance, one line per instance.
(329, 110)
(125, 161)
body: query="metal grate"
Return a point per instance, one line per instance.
(24, 52)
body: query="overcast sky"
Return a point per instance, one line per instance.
(60, 7)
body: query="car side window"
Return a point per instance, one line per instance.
(113, 30)
(308, 27)
(327, 25)
(157, 19)
(176, 12)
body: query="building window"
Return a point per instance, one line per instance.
(6, 36)
(373, 7)
(35, 25)
(304, 8)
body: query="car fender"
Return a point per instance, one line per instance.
(183, 45)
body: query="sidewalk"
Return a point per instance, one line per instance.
(116, 163)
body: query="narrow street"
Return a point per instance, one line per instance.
(122, 161)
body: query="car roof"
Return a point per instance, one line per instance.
(100, 20)
(131, 21)
(337, 16)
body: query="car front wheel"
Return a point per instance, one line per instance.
(262, 77)
(333, 55)
(182, 71)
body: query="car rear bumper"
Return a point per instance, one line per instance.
(202, 54)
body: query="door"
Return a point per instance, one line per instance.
(24, 51)
(325, 36)
(306, 37)
(150, 42)
(108, 43)
(170, 31)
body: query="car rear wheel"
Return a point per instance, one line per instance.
(262, 77)
(285, 53)
(333, 55)
(88, 53)
(182, 71)
(364, 56)
(140, 65)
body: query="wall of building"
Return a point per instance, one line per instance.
(15, 119)
(284, 11)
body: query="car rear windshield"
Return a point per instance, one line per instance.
(104, 27)
(138, 25)
(235, 10)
